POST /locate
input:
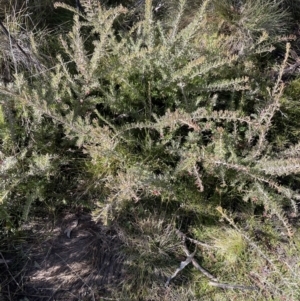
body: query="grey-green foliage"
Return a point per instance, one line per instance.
(161, 87)
(163, 111)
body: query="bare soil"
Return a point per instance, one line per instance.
(48, 265)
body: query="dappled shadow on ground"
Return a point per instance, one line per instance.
(84, 266)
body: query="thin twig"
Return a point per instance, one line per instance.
(197, 266)
(9, 295)
(194, 241)
(214, 280)
(190, 258)
(10, 272)
(232, 286)
(11, 38)
(183, 264)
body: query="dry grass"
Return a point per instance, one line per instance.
(86, 266)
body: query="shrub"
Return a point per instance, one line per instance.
(164, 114)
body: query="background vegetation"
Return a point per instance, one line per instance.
(175, 123)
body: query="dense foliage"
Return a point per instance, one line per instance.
(164, 119)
